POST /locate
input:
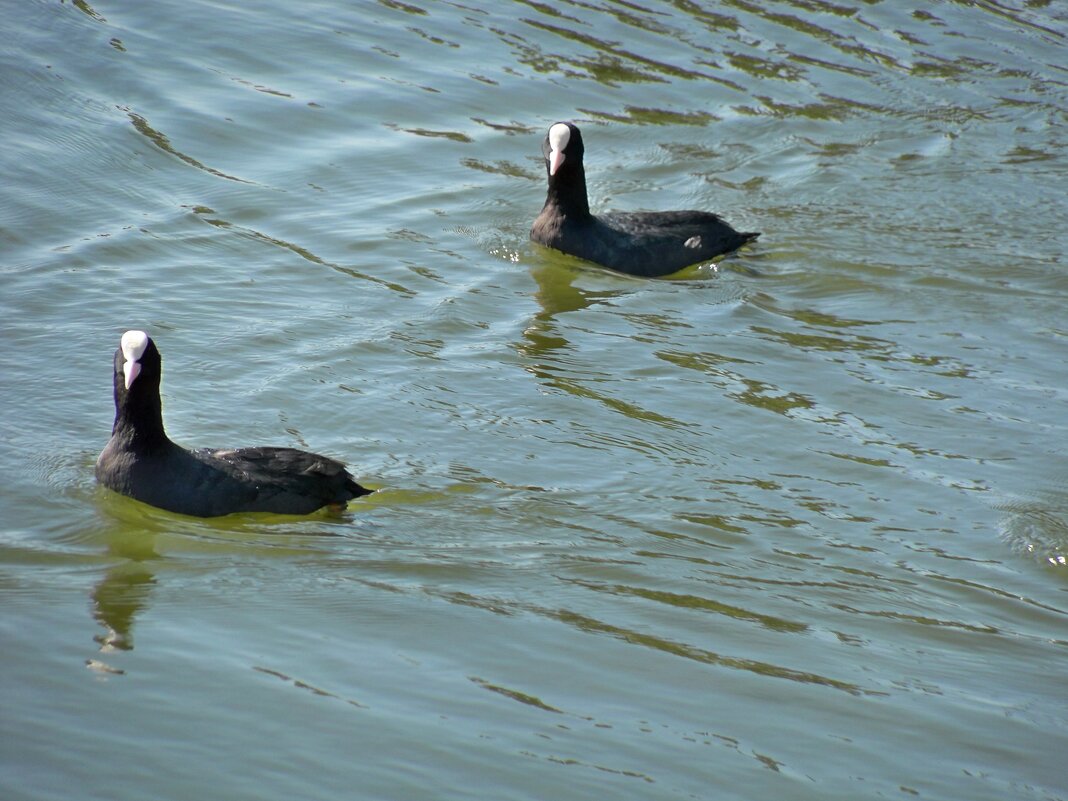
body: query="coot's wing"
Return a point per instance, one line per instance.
(663, 242)
(286, 480)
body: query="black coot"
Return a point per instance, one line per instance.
(141, 462)
(650, 244)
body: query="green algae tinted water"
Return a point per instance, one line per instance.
(792, 526)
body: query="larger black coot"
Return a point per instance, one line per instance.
(141, 461)
(649, 244)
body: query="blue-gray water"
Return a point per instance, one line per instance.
(795, 528)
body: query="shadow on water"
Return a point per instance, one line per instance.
(117, 600)
(122, 594)
(141, 541)
(545, 347)
(557, 294)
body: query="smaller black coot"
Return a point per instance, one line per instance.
(650, 244)
(141, 461)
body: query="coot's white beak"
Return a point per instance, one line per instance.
(559, 134)
(133, 344)
(131, 370)
(556, 158)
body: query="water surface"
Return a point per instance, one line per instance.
(791, 526)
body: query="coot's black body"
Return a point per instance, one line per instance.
(649, 244)
(141, 461)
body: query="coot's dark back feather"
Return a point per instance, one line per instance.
(142, 462)
(648, 244)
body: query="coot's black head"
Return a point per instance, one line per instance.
(562, 149)
(138, 368)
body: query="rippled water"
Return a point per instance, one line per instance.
(793, 526)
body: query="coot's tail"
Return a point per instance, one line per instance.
(351, 490)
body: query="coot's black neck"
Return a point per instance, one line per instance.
(139, 422)
(567, 191)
